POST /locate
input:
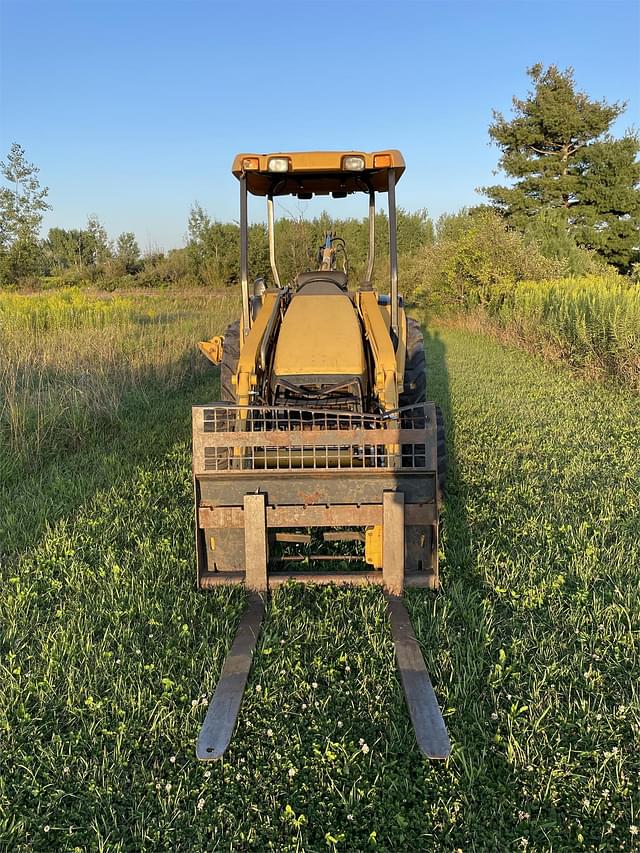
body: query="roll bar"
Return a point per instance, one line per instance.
(244, 260)
(393, 254)
(393, 249)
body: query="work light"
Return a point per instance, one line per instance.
(278, 164)
(353, 164)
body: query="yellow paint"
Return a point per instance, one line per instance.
(384, 356)
(373, 546)
(246, 376)
(326, 166)
(401, 351)
(320, 335)
(213, 349)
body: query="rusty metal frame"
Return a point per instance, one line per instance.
(412, 580)
(389, 490)
(340, 515)
(320, 439)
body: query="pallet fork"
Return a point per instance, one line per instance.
(224, 707)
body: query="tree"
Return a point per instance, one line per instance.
(102, 248)
(22, 205)
(561, 155)
(213, 248)
(128, 253)
(548, 231)
(606, 213)
(67, 248)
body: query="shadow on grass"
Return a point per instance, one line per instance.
(451, 626)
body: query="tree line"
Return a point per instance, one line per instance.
(572, 207)
(24, 256)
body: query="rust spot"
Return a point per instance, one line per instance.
(312, 498)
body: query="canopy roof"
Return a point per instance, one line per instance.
(306, 173)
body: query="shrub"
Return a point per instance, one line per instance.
(594, 318)
(171, 269)
(476, 259)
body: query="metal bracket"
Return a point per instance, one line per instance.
(255, 542)
(393, 542)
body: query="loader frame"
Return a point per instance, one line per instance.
(321, 469)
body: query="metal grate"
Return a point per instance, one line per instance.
(269, 438)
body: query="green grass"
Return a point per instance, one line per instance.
(108, 652)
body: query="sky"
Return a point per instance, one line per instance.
(134, 110)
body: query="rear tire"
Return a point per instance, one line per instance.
(415, 367)
(229, 363)
(415, 391)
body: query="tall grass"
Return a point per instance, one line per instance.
(70, 358)
(593, 321)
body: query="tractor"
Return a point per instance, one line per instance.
(323, 462)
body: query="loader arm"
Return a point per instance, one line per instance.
(249, 367)
(387, 384)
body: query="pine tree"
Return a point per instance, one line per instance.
(561, 155)
(606, 214)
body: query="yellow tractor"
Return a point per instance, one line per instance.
(323, 451)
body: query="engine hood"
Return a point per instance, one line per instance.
(320, 335)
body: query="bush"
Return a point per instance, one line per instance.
(476, 259)
(171, 269)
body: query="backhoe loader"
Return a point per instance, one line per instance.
(323, 452)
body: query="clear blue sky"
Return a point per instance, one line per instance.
(132, 110)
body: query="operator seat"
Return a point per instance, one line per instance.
(321, 281)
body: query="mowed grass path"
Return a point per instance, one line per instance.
(109, 653)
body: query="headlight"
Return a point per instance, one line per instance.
(278, 164)
(353, 164)
(250, 163)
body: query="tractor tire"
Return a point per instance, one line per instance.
(415, 367)
(229, 363)
(442, 452)
(415, 390)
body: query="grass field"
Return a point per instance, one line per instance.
(108, 653)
